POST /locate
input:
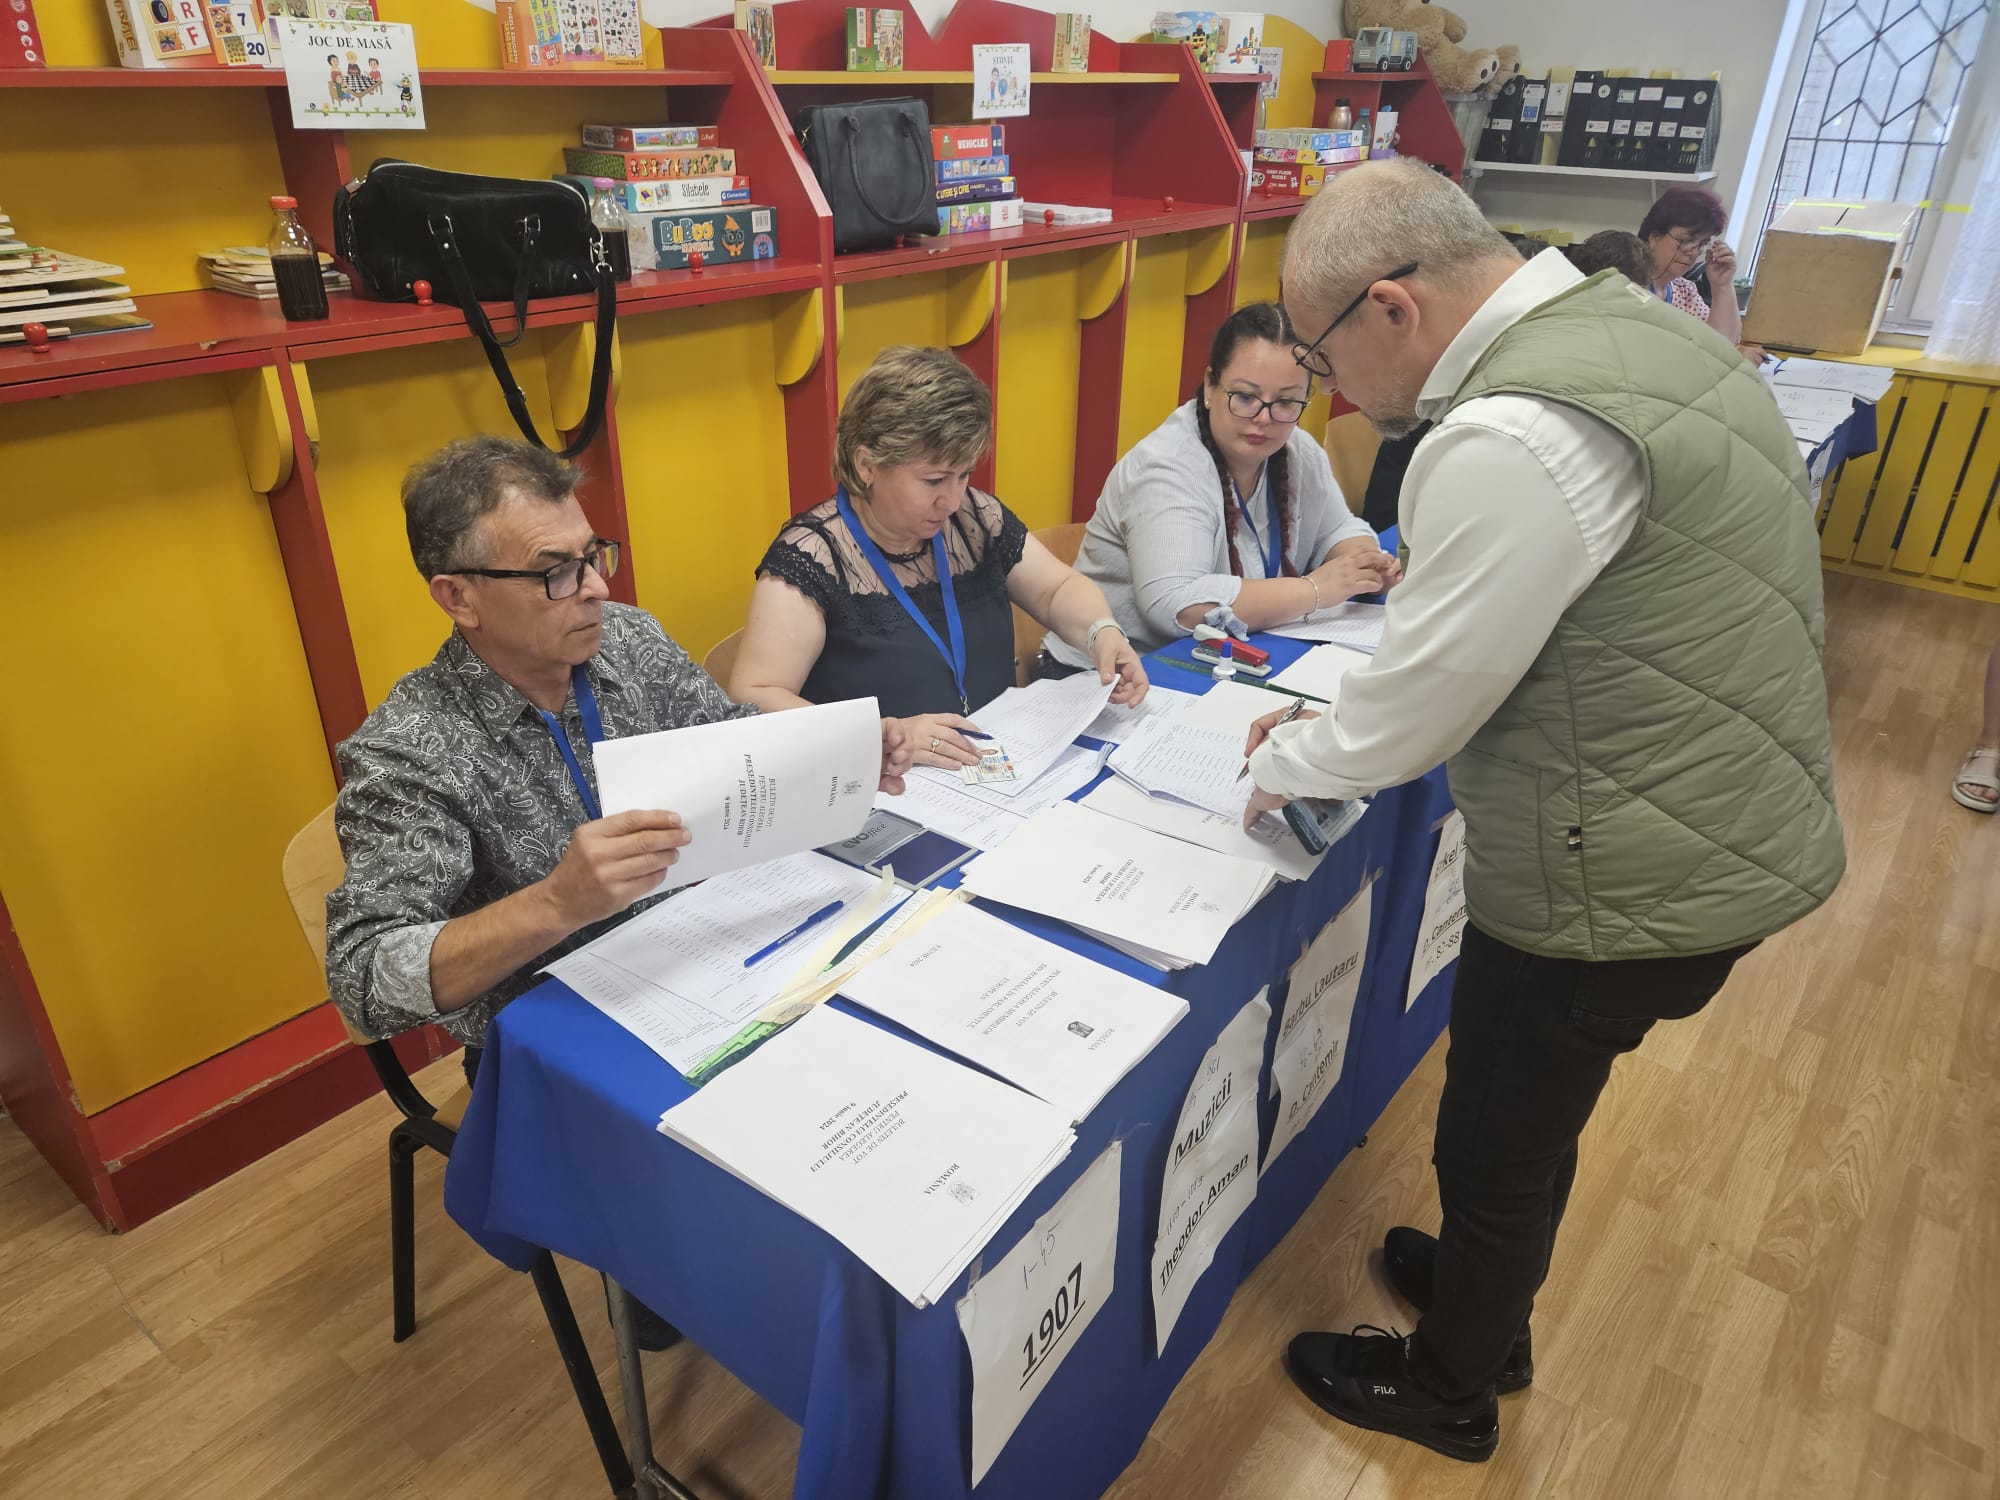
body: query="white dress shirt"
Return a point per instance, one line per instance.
(1510, 507)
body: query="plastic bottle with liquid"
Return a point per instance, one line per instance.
(1224, 669)
(607, 212)
(295, 265)
(1365, 126)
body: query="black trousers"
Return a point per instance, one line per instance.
(1532, 1043)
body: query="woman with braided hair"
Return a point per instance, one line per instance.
(1227, 513)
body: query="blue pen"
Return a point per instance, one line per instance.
(806, 926)
(975, 734)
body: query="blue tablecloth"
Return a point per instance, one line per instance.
(560, 1149)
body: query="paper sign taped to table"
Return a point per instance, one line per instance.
(1319, 1016)
(1027, 1312)
(751, 789)
(1443, 927)
(1211, 1172)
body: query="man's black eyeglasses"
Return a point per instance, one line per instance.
(565, 578)
(1309, 357)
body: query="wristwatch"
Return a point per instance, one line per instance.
(1090, 635)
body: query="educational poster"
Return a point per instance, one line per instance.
(1211, 1172)
(1443, 926)
(1025, 1313)
(999, 81)
(344, 73)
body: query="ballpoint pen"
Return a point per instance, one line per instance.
(806, 926)
(1298, 707)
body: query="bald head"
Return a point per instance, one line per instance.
(1368, 224)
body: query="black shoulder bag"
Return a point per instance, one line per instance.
(874, 164)
(481, 239)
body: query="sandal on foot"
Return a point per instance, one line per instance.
(1982, 770)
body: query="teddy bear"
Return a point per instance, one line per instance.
(1458, 70)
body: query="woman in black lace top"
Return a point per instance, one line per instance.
(848, 602)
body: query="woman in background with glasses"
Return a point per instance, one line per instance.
(1226, 513)
(1682, 230)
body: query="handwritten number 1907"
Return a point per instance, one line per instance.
(1054, 1322)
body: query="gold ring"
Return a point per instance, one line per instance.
(935, 742)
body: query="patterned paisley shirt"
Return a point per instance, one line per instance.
(455, 795)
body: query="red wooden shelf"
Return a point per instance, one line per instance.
(1131, 218)
(1414, 75)
(1238, 77)
(274, 78)
(206, 331)
(1261, 206)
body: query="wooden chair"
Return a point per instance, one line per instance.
(313, 866)
(1065, 542)
(721, 658)
(1351, 445)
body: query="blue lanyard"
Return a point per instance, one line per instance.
(955, 657)
(1274, 557)
(593, 730)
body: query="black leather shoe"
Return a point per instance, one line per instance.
(1409, 1256)
(1364, 1378)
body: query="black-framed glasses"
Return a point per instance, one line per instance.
(1249, 406)
(1309, 356)
(565, 578)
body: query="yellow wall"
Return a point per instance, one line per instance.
(878, 314)
(1155, 325)
(701, 431)
(379, 414)
(161, 743)
(1040, 340)
(503, 132)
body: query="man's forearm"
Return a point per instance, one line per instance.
(475, 952)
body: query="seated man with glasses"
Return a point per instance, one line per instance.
(468, 814)
(1226, 513)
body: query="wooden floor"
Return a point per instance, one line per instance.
(1780, 1275)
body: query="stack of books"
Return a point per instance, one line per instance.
(245, 271)
(69, 295)
(975, 179)
(681, 192)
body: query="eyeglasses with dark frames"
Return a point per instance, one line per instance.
(1249, 406)
(1309, 357)
(565, 578)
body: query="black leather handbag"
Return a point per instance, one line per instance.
(481, 239)
(874, 164)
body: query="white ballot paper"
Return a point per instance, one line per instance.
(1027, 1311)
(1869, 382)
(910, 1160)
(1211, 1172)
(1812, 413)
(1118, 722)
(1271, 842)
(1043, 1018)
(1195, 763)
(950, 808)
(1037, 723)
(1317, 674)
(674, 976)
(1443, 926)
(1165, 902)
(1357, 626)
(750, 789)
(1319, 1013)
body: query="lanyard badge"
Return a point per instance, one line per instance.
(593, 730)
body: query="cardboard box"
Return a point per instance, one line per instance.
(722, 235)
(1294, 181)
(650, 137)
(1303, 140)
(1332, 156)
(681, 193)
(1826, 272)
(965, 218)
(967, 140)
(650, 166)
(1072, 48)
(874, 41)
(975, 190)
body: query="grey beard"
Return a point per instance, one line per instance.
(1394, 429)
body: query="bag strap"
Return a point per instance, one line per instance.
(446, 240)
(907, 127)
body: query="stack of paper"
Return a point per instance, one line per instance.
(675, 977)
(1317, 674)
(1043, 1018)
(1357, 626)
(1166, 903)
(245, 271)
(1191, 761)
(1869, 382)
(1271, 842)
(1812, 412)
(910, 1160)
(68, 294)
(948, 807)
(753, 789)
(1119, 723)
(1036, 725)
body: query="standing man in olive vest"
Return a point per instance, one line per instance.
(1611, 629)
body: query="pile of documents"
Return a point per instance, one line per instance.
(1817, 395)
(1036, 726)
(1165, 902)
(245, 271)
(1356, 626)
(910, 1160)
(1318, 673)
